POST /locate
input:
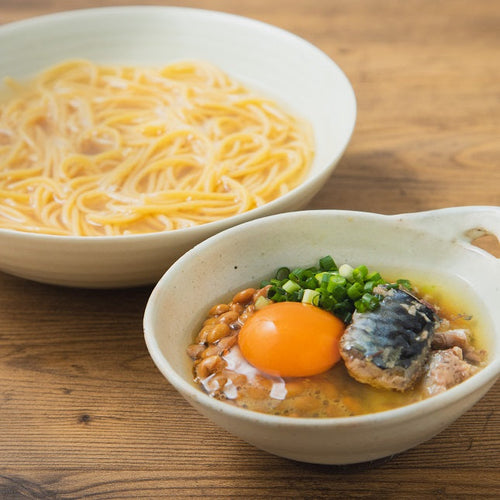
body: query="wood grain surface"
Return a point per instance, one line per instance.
(84, 413)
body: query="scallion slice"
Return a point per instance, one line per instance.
(311, 297)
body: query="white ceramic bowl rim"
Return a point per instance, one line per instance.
(411, 411)
(26, 24)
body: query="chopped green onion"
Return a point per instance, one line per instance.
(404, 283)
(282, 273)
(262, 302)
(339, 290)
(372, 301)
(290, 286)
(311, 282)
(327, 302)
(296, 274)
(277, 294)
(346, 271)
(374, 277)
(360, 306)
(355, 291)
(311, 297)
(323, 279)
(327, 264)
(336, 281)
(359, 273)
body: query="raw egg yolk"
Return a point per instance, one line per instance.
(291, 339)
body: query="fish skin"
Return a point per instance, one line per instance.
(395, 339)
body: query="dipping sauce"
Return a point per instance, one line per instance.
(456, 351)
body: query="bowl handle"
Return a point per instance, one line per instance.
(464, 224)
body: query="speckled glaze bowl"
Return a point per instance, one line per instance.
(436, 242)
(278, 63)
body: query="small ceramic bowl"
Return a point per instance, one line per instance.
(278, 63)
(434, 243)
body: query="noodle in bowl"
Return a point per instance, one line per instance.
(93, 150)
(178, 181)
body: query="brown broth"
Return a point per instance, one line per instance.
(335, 393)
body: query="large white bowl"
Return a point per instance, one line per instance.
(274, 61)
(436, 242)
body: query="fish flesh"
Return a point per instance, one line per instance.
(389, 347)
(446, 368)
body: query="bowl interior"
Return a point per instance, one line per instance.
(245, 254)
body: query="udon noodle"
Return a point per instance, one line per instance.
(89, 149)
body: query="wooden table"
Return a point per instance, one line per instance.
(83, 410)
